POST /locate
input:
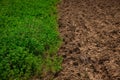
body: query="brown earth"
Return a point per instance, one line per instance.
(91, 35)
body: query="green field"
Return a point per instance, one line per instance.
(29, 39)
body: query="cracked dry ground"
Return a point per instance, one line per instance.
(91, 39)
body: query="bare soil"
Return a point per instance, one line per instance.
(91, 39)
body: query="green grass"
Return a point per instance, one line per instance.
(29, 39)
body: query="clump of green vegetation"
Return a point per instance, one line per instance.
(29, 39)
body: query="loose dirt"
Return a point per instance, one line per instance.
(91, 40)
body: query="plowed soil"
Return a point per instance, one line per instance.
(91, 39)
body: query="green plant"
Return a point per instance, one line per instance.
(29, 38)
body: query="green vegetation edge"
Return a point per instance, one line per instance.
(29, 39)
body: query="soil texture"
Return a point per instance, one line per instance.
(91, 39)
